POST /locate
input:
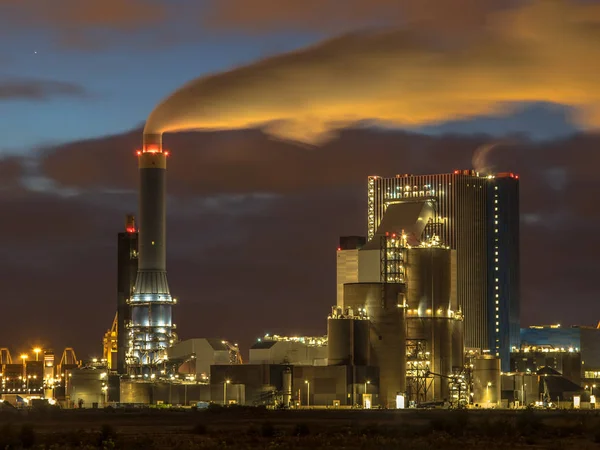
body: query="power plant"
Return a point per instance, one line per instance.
(426, 308)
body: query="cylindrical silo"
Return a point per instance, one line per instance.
(442, 356)
(287, 387)
(486, 381)
(361, 342)
(429, 280)
(340, 346)
(458, 345)
(386, 331)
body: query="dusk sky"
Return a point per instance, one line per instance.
(277, 168)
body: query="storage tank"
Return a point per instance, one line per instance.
(458, 343)
(386, 333)
(347, 338)
(361, 342)
(486, 381)
(339, 341)
(429, 283)
(287, 387)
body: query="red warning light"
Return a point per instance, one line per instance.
(517, 177)
(139, 153)
(167, 152)
(456, 172)
(339, 249)
(131, 229)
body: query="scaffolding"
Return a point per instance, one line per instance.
(392, 258)
(418, 363)
(460, 387)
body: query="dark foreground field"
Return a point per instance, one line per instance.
(250, 428)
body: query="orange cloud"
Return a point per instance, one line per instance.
(545, 51)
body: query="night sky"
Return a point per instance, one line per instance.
(253, 221)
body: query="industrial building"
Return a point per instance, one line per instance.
(430, 273)
(35, 375)
(478, 216)
(127, 267)
(294, 350)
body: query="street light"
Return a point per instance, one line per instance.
(307, 392)
(225, 391)
(487, 391)
(24, 357)
(37, 351)
(366, 383)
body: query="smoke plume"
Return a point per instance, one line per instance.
(544, 51)
(480, 160)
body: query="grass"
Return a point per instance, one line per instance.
(245, 428)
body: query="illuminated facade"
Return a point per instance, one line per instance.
(151, 329)
(503, 266)
(478, 216)
(347, 263)
(127, 267)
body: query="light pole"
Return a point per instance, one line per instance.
(307, 392)
(523, 393)
(487, 391)
(225, 391)
(24, 357)
(37, 351)
(366, 383)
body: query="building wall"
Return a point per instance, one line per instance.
(504, 267)
(567, 363)
(204, 355)
(259, 382)
(347, 271)
(520, 387)
(387, 333)
(127, 265)
(87, 385)
(590, 348)
(557, 337)
(369, 266)
(461, 215)
(289, 352)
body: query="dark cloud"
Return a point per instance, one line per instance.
(11, 171)
(336, 15)
(92, 14)
(240, 261)
(96, 24)
(38, 90)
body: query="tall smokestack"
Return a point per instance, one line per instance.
(151, 328)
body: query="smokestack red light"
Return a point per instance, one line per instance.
(139, 153)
